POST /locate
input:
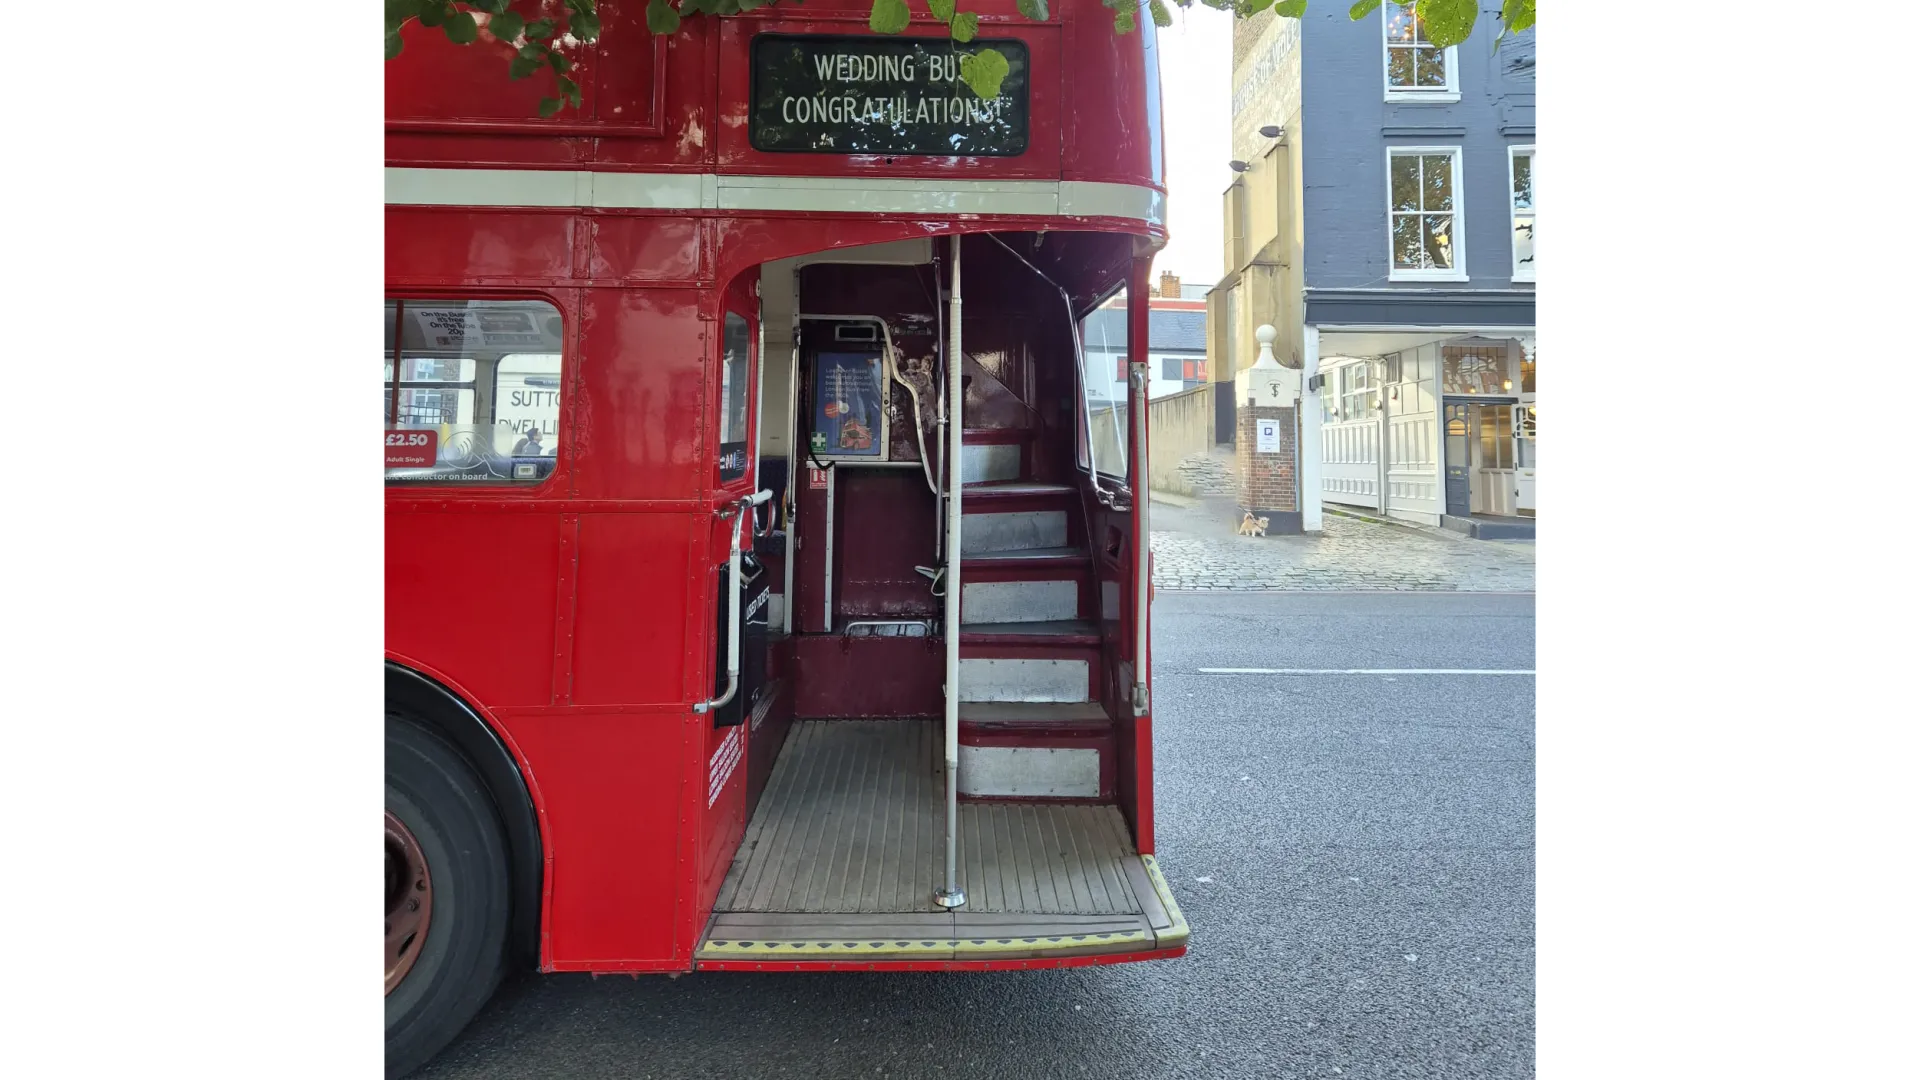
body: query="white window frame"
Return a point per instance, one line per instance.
(1459, 270)
(1529, 272)
(1356, 390)
(1450, 56)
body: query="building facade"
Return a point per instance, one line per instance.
(1176, 340)
(1381, 217)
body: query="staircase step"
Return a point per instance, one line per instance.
(1057, 632)
(1018, 530)
(1082, 771)
(1024, 679)
(1029, 558)
(1036, 750)
(1036, 718)
(975, 436)
(989, 462)
(1012, 489)
(1023, 601)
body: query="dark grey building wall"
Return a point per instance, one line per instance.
(1348, 126)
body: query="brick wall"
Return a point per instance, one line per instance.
(1265, 481)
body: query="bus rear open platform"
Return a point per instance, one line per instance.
(847, 846)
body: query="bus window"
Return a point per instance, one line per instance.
(477, 398)
(733, 398)
(1103, 339)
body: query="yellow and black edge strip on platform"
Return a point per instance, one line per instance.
(925, 949)
(965, 948)
(1176, 934)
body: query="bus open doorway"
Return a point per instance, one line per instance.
(845, 852)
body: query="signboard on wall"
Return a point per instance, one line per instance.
(883, 95)
(849, 418)
(1266, 436)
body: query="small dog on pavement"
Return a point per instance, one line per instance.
(1252, 526)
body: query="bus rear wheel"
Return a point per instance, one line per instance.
(447, 895)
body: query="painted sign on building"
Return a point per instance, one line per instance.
(1266, 436)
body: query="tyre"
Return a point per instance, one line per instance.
(447, 895)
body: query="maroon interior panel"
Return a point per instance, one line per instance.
(1112, 562)
(837, 676)
(883, 527)
(810, 553)
(767, 733)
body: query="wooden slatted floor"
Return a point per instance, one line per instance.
(853, 822)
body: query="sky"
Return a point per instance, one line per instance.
(1196, 59)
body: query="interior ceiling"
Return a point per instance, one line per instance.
(776, 278)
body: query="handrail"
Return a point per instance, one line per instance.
(925, 625)
(1142, 551)
(737, 510)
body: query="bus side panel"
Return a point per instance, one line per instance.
(613, 786)
(630, 620)
(645, 101)
(479, 247)
(1108, 94)
(472, 593)
(645, 457)
(637, 428)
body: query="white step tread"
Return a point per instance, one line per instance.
(1031, 712)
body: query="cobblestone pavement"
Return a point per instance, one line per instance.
(1195, 547)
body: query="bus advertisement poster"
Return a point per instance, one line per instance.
(848, 415)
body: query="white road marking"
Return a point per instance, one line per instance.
(1362, 671)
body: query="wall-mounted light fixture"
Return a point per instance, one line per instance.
(1271, 131)
(1237, 166)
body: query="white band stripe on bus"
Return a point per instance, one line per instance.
(810, 194)
(1362, 671)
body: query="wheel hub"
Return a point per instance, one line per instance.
(409, 900)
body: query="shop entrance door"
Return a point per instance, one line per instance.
(1458, 458)
(1524, 457)
(1493, 491)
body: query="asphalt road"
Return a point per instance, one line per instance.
(1354, 852)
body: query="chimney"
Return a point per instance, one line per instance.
(1169, 285)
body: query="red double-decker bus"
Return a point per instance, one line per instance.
(767, 575)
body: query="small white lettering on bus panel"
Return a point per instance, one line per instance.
(848, 109)
(844, 67)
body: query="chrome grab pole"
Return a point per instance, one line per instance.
(737, 510)
(952, 896)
